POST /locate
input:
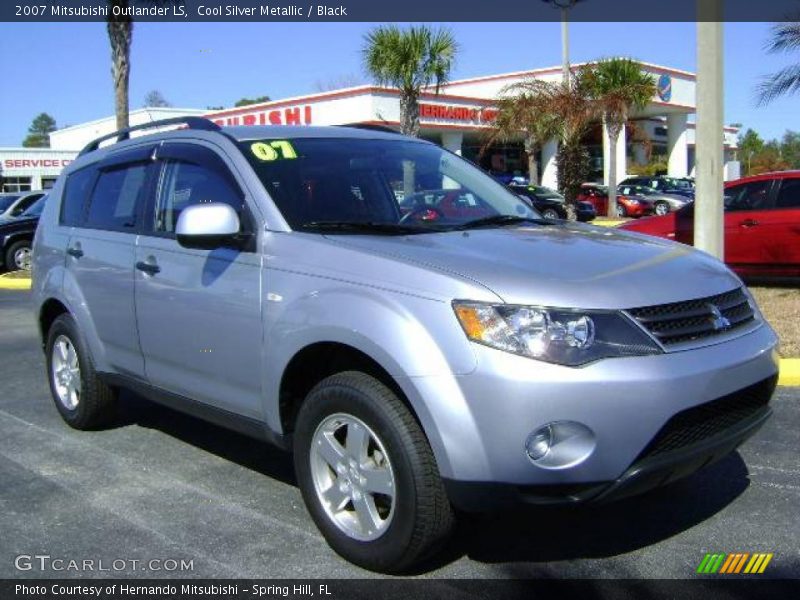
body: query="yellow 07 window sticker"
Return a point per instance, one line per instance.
(275, 150)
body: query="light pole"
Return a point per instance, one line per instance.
(708, 219)
(564, 5)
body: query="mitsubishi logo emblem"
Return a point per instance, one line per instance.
(718, 321)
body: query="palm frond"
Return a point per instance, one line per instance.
(785, 81)
(785, 36)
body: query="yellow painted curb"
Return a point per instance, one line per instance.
(609, 223)
(7, 283)
(790, 372)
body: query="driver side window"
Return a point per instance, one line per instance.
(184, 184)
(748, 196)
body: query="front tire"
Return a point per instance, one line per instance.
(621, 211)
(18, 256)
(551, 213)
(83, 400)
(661, 208)
(368, 475)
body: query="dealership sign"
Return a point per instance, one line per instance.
(291, 115)
(465, 114)
(27, 164)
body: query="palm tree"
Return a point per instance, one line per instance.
(120, 35)
(785, 37)
(520, 110)
(409, 60)
(619, 85)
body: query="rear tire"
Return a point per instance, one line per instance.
(621, 211)
(551, 213)
(83, 400)
(408, 515)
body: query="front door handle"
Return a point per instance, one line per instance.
(75, 251)
(748, 223)
(149, 268)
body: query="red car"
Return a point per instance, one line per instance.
(628, 205)
(762, 225)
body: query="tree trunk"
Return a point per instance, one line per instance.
(614, 129)
(409, 113)
(120, 33)
(533, 165)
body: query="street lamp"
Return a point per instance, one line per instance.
(564, 5)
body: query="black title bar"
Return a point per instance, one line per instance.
(400, 10)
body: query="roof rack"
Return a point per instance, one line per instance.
(371, 127)
(124, 134)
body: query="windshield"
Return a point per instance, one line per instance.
(389, 185)
(6, 201)
(35, 209)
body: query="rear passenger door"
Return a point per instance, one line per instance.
(781, 224)
(100, 254)
(199, 311)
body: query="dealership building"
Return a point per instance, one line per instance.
(459, 118)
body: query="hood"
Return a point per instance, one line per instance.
(562, 265)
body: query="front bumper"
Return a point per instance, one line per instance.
(483, 419)
(651, 470)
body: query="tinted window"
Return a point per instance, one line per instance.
(184, 184)
(6, 201)
(747, 196)
(789, 196)
(316, 182)
(35, 209)
(76, 192)
(116, 197)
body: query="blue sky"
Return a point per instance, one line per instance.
(64, 69)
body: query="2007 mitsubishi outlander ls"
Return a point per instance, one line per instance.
(417, 334)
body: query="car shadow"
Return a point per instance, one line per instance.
(248, 452)
(531, 535)
(523, 538)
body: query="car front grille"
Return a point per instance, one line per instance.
(691, 320)
(706, 420)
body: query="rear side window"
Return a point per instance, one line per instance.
(116, 198)
(789, 195)
(76, 192)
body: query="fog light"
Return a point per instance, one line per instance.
(538, 443)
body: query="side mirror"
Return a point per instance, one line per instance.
(208, 226)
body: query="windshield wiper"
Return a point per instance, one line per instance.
(364, 227)
(500, 220)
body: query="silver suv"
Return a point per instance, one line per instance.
(456, 351)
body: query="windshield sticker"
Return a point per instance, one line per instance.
(269, 151)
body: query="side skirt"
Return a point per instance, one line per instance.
(224, 418)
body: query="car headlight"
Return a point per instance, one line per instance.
(633, 201)
(564, 337)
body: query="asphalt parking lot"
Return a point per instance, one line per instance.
(166, 486)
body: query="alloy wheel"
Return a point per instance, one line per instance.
(353, 477)
(66, 372)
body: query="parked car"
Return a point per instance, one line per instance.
(663, 203)
(14, 204)
(628, 205)
(552, 205)
(16, 237)
(270, 282)
(676, 186)
(762, 225)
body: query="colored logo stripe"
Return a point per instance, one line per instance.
(734, 563)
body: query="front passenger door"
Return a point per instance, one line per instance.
(199, 311)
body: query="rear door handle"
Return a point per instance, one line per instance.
(149, 268)
(75, 251)
(749, 223)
